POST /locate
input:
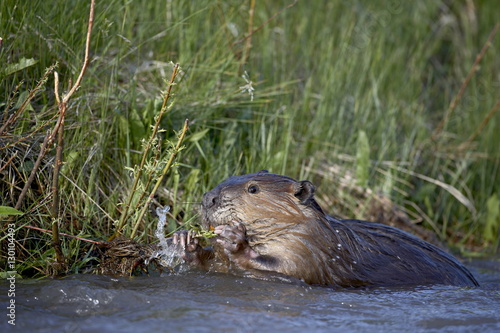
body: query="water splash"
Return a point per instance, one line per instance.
(169, 255)
(162, 221)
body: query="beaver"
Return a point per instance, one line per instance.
(271, 223)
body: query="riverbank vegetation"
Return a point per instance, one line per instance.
(390, 108)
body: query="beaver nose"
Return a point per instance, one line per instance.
(210, 199)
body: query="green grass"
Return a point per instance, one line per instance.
(323, 73)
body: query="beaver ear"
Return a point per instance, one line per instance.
(304, 191)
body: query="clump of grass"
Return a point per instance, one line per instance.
(56, 135)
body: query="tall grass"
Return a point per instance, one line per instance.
(323, 73)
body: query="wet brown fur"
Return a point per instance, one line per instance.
(288, 233)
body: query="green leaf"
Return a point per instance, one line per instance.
(6, 211)
(198, 135)
(5, 275)
(22, 64)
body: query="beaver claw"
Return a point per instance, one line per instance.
(190, 245)
(186, 239)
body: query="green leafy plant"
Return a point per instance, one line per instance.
(9, 211)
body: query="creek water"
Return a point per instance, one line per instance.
(200, 302)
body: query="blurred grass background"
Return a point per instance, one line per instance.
(346, 94)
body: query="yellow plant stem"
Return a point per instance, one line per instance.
(169, 164)
(138, 173)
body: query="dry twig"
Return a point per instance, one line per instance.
(59, 130)
(481, 126)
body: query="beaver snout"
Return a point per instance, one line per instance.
(211, 199)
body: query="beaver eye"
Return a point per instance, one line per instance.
(253, 189)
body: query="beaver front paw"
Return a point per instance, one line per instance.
(193, 252)
(233, 239)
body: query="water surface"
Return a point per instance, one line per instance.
(200, 302)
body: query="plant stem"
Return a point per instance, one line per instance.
(176, 150)
(39, 86)
(457, 98)
(481, 126)
(248, 43)
(63, 234)
(138, 174)
(54, 209)
(59, 130)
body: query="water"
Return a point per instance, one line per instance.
(168, 255)
(198, 302)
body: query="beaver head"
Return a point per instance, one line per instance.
(260, 197)
(281, 219)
